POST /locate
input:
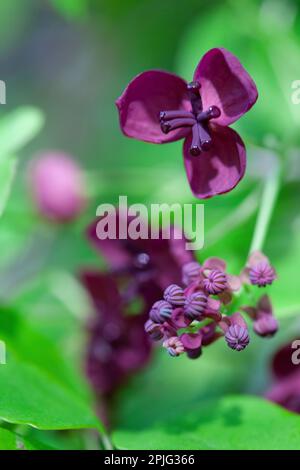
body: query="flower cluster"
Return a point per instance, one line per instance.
(204, 309)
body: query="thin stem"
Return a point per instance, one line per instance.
(268, 200)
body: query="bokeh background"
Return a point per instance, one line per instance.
(64, 63)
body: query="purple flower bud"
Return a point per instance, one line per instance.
(237, 337)
(153, 330)
(174, 346)
(57, 186)
(215, 282)
(174, 295)
(195, 305)
(265, 325)
(160, 311)
(262, 274)
(190, 272)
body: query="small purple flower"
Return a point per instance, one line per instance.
(195, 305)
(237, 337)
(153, 330)
(160, 107)
(174, 346)
(174, 295)
(161, 311)
(57, 186)
(262, 274)
(236, 332)
(191, 272)
(215, 282)
(258, 271)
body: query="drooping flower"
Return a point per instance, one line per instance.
(160, 107)
(158, 259)
(236, 332)
(265, 324)
(118, 346)
(57, 186)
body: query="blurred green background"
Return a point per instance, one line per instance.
(64, 63)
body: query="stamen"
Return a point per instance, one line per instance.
(167, 115)
(167, 126)
(212, 112)
(195, 149)
(195, 98)
(205, 138)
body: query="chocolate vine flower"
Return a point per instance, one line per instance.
(160, 107)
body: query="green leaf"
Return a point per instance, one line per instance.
(9, 440)
(234, 422)
(71, 8)
(7, 173)
(17, 129)
(31, 396)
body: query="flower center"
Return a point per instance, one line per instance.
(197, 120)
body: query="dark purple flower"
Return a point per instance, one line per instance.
(160, 107)
(118, 345)
(286, 389)
(57, 186)
(143, 259)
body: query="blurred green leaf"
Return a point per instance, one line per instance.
(71, 8)
(7, 173)
(30, 396)
(231, 423)
(17, 128)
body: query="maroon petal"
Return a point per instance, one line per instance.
(225, 84)
(144, 98)
(218, 170)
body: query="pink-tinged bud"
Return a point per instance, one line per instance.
(160, 311)
(174, 346)
(195, 305)
(57, 185)
(237, 337)
(265, 325)
(153, 330)
(174, 295)
(191, 272)
(215, 282)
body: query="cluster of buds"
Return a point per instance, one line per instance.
(204, 308)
